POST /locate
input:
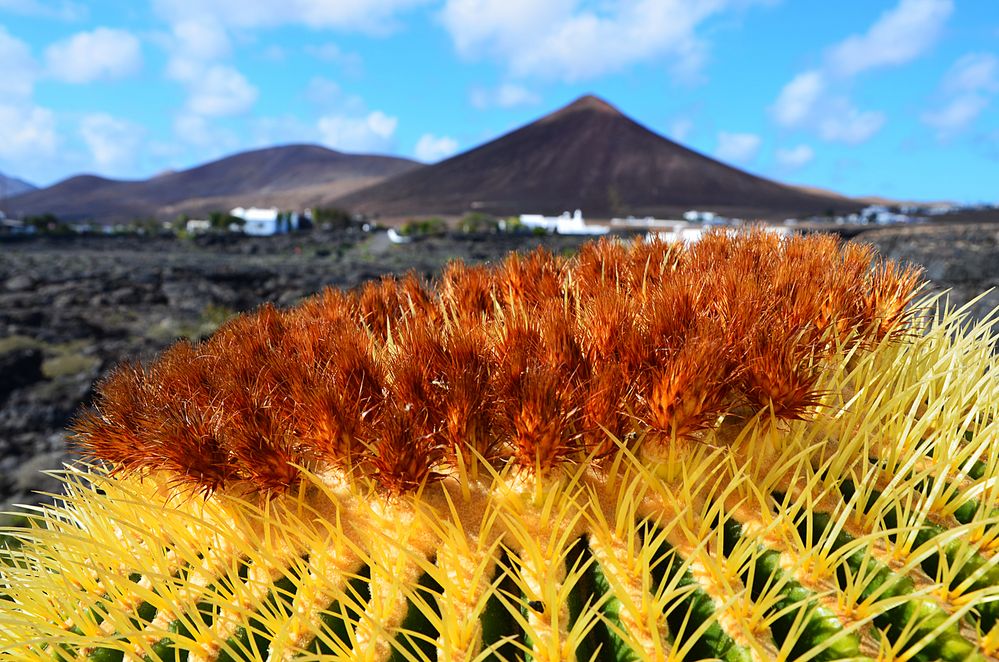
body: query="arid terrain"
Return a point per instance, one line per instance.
(71, 309)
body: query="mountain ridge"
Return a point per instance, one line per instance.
(284, 176)
(586, 155)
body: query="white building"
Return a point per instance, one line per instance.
(695, 216)
(565, 223)
(648, 223)
(396, 238)
(198, 225)
(15, 226)
(266, 222)
(690, 234)
(687, 234)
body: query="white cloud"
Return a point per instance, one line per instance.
(988, 145)
(796, 157)
(327, 95)
(27, 132)
(373, 16)
(284, 129)
(274, 53)
(507, 95)
(220, 90)
(88, 56)
(371, 133)
(430, 148)
(968, 88)
(797, 100)
(203, 39)
(900, 35)
(804, 103)
(29, 137)
(561, 39)
(200, 132)
(502, 27)
(350, 62)
(64, 11)
(680, 128)
(214, 88)
(329, 51)
(113, 143)
(818, 99)
(19, 68)
(201, 33)
(957, 114)
(193, 129)
(737, 147)
(974, 72)
(843, 122)
(479, 97)
(322, 91)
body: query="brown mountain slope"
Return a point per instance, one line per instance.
(590, 156)
(290, 176)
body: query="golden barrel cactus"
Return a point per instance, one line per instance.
(752, 448)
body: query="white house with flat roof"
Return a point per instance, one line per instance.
(264, 222)
(565, 223)
(690, 234)
(198, 225)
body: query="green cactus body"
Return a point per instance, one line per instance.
(854, 516)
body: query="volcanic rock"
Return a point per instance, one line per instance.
(19, 367)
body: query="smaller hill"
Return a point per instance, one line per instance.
(291, 176)
(11, 186)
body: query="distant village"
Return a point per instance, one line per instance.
(271, 221)
(253, 221)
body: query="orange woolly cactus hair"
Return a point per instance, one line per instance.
(527, 363)
(749, 448)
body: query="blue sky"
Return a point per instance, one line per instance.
(867, 97)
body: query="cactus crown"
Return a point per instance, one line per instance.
(748, 449)
(540, 361)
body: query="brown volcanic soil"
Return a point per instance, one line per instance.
(291, 176)
(590, 156)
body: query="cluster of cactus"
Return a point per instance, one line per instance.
(751, 448)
